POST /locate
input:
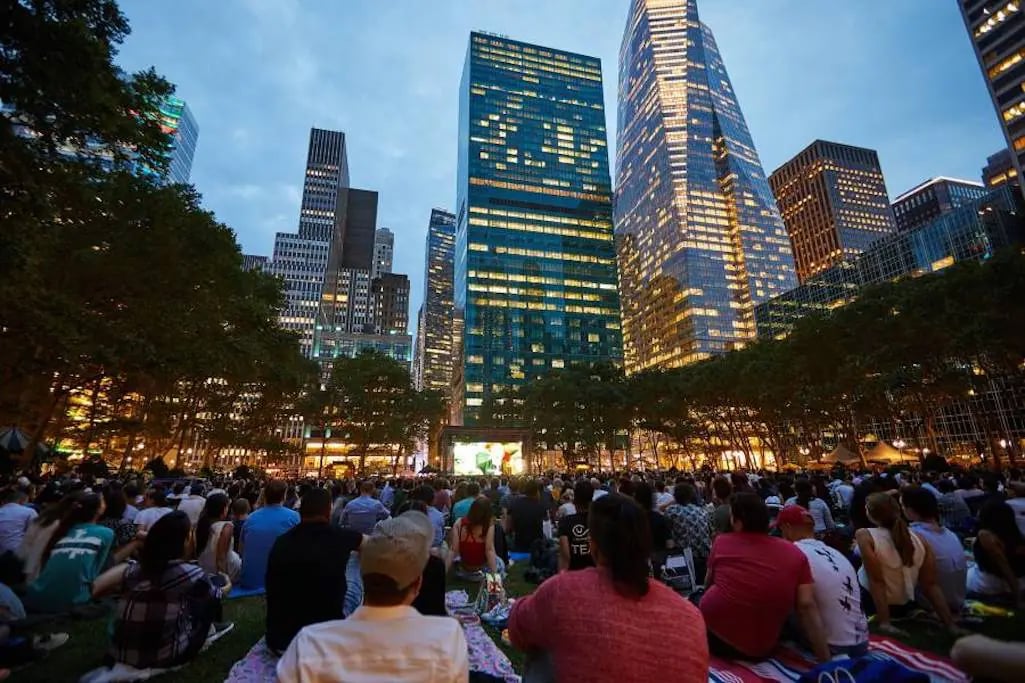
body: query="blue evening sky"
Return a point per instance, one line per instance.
(898, 76)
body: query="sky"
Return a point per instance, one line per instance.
(898, 76)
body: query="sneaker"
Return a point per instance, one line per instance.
(50, 642)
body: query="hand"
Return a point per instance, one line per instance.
(891, 630)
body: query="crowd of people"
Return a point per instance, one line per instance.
(355, 573)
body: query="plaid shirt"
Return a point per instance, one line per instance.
(155, 623)
(692, 527)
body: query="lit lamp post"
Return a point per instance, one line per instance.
(899, 443)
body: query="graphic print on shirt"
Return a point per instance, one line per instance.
(77, 544)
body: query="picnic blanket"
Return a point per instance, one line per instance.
(259, 665)
(789, 662)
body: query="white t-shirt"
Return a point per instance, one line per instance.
(837, 594)
(193, 507)
(148, 517)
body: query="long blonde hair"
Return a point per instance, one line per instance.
(884, 510)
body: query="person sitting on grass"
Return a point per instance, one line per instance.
(525, 518)
(922, 510)
(259, 533)
(598, 623)
(895, 563)
(473, 542)
(574, 537)
(75, 555)
(385, 639)
(166, 604)
(690, 526)
(215, 541)
(460, 509)
(744, 609)
(835, 583)
(999, 551)
(156, 507)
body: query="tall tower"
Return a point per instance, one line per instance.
(433, 369)
(834, 203)
(177, 120)
(384, 250)
(535, 270)
(997, 32)
(699, 238)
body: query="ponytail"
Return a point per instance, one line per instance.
(621, 531)
(884, 511)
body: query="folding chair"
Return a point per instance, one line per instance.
(678, 572)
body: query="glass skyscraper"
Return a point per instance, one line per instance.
(535, 268)
(433, 365)
(177, 121)
(699, 238)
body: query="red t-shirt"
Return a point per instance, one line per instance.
(594, 634)
(754, 589)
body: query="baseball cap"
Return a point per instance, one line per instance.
(793, 514)
(399, 548)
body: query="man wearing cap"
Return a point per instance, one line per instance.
(835, 584)
(385, 638)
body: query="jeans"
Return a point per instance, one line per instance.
(353, 585)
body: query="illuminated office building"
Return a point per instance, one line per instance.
(700, 240)
(999, 170)
(384, 250)
(997, 32)
(433, 355)
(933, 198)
(389, 301)
(834, 203)
(177, 121)
(535, 269)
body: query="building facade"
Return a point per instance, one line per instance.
(834, 204)
(177, 121)
(434, 350)
(997, 32)
(384, 251)
(999, 170)
(972, 231)
(389, 296)
(535, 270)
(700, 241)
(933, 198)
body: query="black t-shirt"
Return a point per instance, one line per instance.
(574, 528)
(527, 516)
(306, 579)
(659, 530)
(431, 600)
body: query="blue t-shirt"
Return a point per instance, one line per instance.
(259, 532)
(67, 577)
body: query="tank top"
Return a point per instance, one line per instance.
(900, 580)
(471, 550)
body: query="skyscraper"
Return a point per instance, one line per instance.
(999, 170)
(535, 271)
(699, 238)
(384, 249)
(389, 297)
(933, 198)
(834, 203)
(997, 31)
(433, 359)
(177, 121)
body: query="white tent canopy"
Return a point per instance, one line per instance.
(841, 454)
(885, 453)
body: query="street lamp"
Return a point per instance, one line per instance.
(899, 443)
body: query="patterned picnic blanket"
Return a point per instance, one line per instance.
(258, 666)
(788, 663)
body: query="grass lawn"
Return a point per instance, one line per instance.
(89, 639)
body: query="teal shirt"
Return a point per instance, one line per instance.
(461, 509)
(75, 562)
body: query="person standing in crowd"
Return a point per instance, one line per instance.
(166, 604)
(525, 518)
(835, 584)
(75, 555)
(215, 538)
(922, 510)
(260, 531)
(744, 613)
(460, 509)
(306, 581)
(565, 624)
(818, 508)
(999, 551)
(473, 541)
(156, 507)
(15, 517)
(574, 534)
(691, 527)
(192, 504)
(385, 639)
(895, 562)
